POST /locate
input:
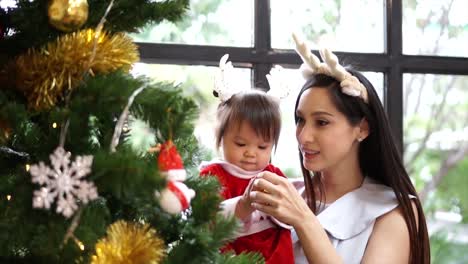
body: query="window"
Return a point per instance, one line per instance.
(435, 28)
(330, 23)
(206, 23)
(436, 147)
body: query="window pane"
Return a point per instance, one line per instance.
(436, 156)
(286, 156)
(215, 23)
(4, 4)
(354, 26)
(435, 28)
(377, 80)
(197, 82)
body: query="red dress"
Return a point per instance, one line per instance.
(273, 243)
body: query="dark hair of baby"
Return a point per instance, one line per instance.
(260, 110)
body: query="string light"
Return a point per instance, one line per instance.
(54, 125)
(27, 167)
(79, 243)
(8, 197)
(81, 246)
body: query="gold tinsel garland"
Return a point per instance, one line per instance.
(44, 75)
(129, 243)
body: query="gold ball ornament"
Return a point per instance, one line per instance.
(67, 15)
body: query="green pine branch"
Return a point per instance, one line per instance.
(30, 22)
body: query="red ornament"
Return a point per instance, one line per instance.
(176, 197)
(170, 163)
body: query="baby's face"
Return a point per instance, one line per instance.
(245, 149)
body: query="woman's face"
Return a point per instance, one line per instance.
(326, 139)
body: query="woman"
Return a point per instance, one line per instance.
(356, 203)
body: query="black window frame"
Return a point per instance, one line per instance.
(261, 57)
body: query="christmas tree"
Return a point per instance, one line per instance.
(76, 184)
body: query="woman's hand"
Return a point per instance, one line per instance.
(276, 196)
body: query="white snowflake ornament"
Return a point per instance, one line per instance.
(63, 182)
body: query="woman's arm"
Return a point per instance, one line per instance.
(389, 241)
(315, 242)
(280, 199)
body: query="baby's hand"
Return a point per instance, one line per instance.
(243, 207)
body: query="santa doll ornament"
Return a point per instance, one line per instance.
(170, 163)
(176, 197)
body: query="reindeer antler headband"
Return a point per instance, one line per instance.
(330, 66)
(225, 79)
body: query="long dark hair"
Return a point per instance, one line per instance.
(379, 157)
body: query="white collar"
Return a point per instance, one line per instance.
(231, 169)
(355, 211)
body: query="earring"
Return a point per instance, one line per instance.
(359, 139)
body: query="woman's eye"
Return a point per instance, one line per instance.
(322, 122)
